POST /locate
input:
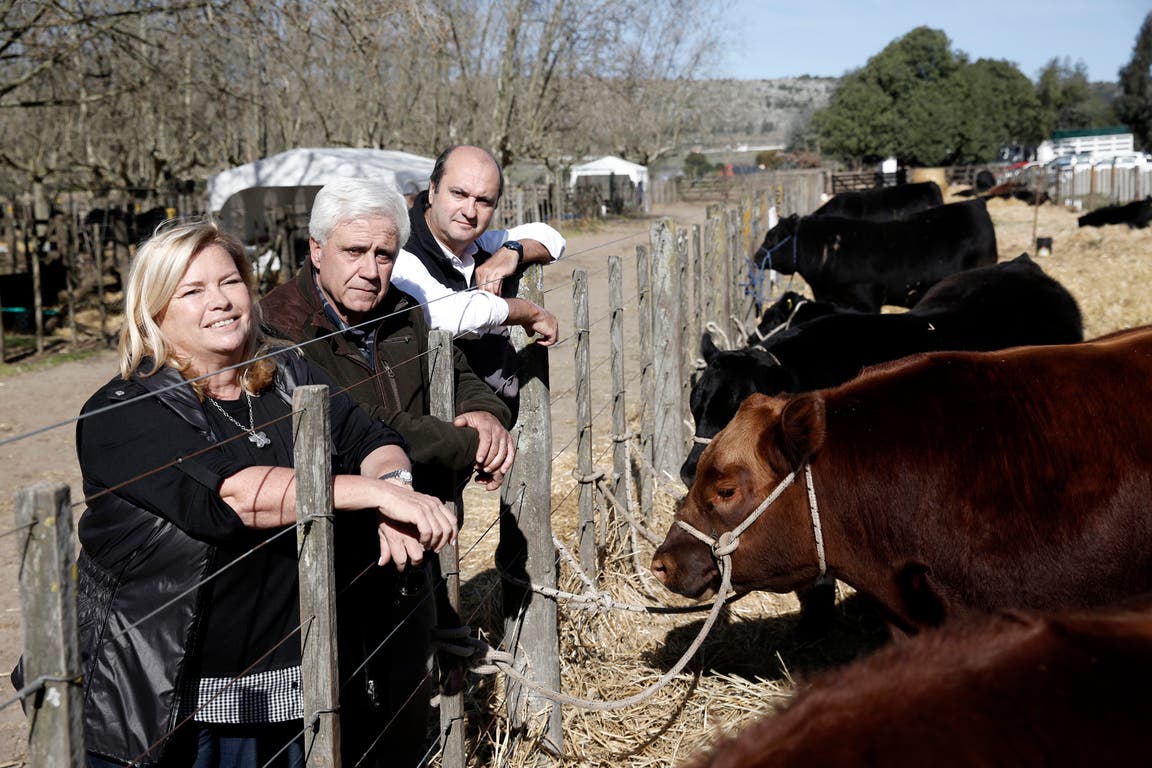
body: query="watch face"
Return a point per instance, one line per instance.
(514, 245)
(402, 475)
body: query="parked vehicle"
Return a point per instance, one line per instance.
(1067, 163)
(1125, 160)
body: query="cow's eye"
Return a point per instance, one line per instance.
(725, 493)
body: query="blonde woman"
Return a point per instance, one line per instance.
(188, 598)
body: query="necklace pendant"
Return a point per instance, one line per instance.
(260, 439)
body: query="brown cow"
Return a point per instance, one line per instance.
(946, 483)
(1015, 690)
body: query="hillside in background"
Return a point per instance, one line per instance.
(760, 112)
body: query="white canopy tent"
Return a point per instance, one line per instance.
(316, 167)
(610, 166)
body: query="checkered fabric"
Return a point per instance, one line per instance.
(266, 697)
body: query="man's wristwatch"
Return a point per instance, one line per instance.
(402, 475)
(515, 245)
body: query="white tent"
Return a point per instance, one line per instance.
(316, 167)
(609, 166)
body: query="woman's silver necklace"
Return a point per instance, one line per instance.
(259, 438)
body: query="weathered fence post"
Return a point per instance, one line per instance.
(51, 643)
(647, 414)
(684, 350)
(98, 253)
(37, 299)
(667, 366)
(620, 433)
(526, 550)
(721, 268)
(586, 532)
(442, 404)
(696, 255)
(320, 683)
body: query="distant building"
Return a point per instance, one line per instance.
(1112, 140)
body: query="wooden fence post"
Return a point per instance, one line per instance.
(51, 640)
(647, 415)
(721, 268)
(684, 351)
(696, 255)
(668, 440)
(320, 683)
(442, 404)
(525, 550)
(586, 532)
(37, 298)
(620, 432)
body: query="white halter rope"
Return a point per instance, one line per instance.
(726, 543)
(784, 325)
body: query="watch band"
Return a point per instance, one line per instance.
(402, 475)
(515, 245)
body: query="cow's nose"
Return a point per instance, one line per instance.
(660, 570)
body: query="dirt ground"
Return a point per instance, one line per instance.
(1107, 271)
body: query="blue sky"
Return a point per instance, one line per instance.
(779, 38)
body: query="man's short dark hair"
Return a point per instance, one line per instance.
(438, 168)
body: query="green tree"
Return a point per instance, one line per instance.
(924, 104)
(769, 159)
(1134, 106)
(696, 165)
(1000, 105)
(1068, 99)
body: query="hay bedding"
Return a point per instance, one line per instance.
(747, 665)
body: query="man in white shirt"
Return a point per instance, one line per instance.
(456, 268)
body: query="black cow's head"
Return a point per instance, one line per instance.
(778, 250)
(769, 438)
(728, 378)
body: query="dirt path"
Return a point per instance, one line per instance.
(52, 396)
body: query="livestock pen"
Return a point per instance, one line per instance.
(615, 635)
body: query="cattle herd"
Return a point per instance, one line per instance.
(972, 467)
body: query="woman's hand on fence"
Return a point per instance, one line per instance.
(411, 522)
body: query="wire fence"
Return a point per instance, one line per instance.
(689, 277)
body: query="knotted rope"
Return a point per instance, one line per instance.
(726, 543)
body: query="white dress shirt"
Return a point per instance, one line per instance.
(470, 309)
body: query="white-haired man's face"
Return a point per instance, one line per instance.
(355, 264)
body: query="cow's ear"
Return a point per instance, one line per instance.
(708, 349)
(802, 427)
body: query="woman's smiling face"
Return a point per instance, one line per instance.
(208, 320)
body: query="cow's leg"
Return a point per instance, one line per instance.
(817, 608)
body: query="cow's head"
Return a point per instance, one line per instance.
(769, 438)
(781, 312)
(727, 378)
(777, 252)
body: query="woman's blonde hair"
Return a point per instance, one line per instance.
(156, 271)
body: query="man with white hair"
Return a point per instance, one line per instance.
(372, 339)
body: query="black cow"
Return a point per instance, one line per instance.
(884, 203)
(1004, 305)
(792, 309)
(1137, 215)
(866, 264)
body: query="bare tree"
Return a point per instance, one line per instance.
(136, 94)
